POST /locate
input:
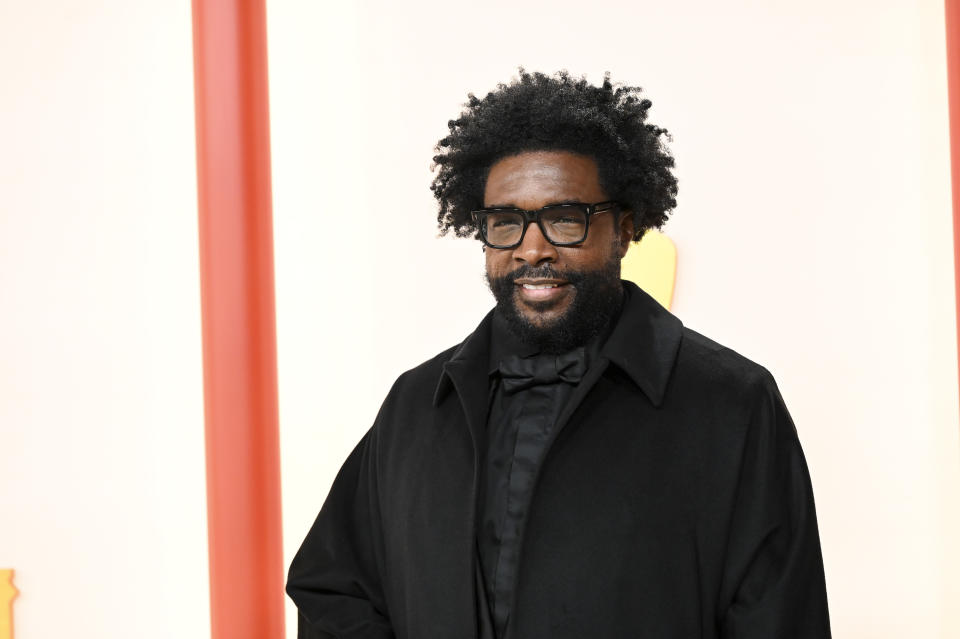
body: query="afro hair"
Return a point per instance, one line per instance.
(537, 112)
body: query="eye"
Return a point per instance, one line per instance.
(503, 221)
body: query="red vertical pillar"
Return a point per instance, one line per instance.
(239, 331)
(953, 90)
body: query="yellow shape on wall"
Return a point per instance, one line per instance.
(651, 264)
(7, 594)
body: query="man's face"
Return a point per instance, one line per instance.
(584, 280)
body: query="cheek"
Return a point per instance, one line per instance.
(495, 262)
(590, 259)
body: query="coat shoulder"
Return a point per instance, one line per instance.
(714, 365)
(416, 386)
(729, 384)
(427, 373)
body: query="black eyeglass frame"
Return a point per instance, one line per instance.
(535, 216)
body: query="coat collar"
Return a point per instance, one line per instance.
(643, 344)
(471, 351)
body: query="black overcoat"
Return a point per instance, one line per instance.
(674, 502)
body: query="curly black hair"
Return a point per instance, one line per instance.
(537, 112)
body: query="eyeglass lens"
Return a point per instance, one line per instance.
(562, 224)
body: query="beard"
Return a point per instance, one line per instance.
(597, 298)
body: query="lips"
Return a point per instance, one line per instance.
(541, 289)
(539, 282)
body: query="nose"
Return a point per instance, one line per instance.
(535, 249)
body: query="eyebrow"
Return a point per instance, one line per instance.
(514, 206)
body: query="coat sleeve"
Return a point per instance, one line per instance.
(773, 584)
(335, 578)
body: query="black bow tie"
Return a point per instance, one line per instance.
(519, 373)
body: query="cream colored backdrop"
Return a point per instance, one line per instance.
(102, 509)
(813, 231)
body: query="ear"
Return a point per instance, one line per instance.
(625, 229)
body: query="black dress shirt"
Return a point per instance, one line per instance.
(519, 428)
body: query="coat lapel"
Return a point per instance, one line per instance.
(644, 344)
(466, 374)
(464, 380)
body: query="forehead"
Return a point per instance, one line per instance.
(534, 179)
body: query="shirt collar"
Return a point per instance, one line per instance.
(643, 343)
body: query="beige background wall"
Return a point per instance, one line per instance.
(813, 231)
(102, 510)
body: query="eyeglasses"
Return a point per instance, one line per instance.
(561, 224)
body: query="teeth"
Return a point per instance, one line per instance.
(537, 287)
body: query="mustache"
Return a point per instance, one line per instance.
(545, 271)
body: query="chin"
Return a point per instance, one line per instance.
(544, 319)
(543, 315)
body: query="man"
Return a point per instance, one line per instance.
(581, 465)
